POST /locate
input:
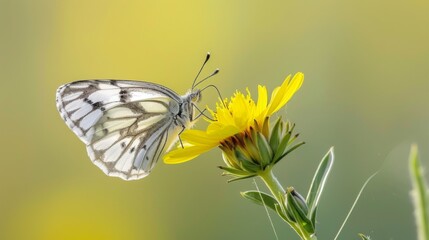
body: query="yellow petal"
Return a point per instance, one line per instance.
(262, 99)
(223, 116)
(223, 133)
(282, 95)
(242, 109)
(277, 96)
(183, 155)
(198, 137)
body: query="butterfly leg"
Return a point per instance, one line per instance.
(201, 113)
(180, 139)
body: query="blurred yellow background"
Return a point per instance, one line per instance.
(366, 92)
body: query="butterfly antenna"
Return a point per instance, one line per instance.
(211, 75)
(218, 93)
(198, 74)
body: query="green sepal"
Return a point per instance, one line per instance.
(264, 149)
(281, 213)
(312, 216)
(300, 201)
(300, 216)
(249, 166)
(240, 156)
(292, 139)
(319, 181)
(282, 147)
(245, 162)
(261, 198)
(364, 237)
(241, 178)
(249, 143)
(288, 127)
(289, 214)
(229, 158)
(266, 127)
(234, 171)
(275, 135)
(289, 151)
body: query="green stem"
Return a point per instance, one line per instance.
(278, 192)
(420, 195)
(272, 183)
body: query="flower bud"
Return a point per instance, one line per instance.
(297, 210)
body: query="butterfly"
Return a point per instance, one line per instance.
(127, 125)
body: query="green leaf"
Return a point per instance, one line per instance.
(364, 237)
(319, 181)
(261, 198)
(419, 195)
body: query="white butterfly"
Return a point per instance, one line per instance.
(126, 125)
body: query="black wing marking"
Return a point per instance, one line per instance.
(129, 145)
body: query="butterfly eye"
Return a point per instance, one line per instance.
(196, 96)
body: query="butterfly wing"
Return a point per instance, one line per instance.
(82, 103)
(126, 125)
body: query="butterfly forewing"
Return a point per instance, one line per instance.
(126, 125)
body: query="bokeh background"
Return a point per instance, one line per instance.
(366, 92)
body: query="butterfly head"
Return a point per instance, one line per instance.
(195, 95)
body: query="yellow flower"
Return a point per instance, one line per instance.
(234, 116)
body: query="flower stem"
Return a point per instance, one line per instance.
(278, 192)
(272, 183)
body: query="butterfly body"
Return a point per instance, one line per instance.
(126, 125)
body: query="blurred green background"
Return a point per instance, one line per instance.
(366, 92)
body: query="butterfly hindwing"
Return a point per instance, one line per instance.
(128, 140)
